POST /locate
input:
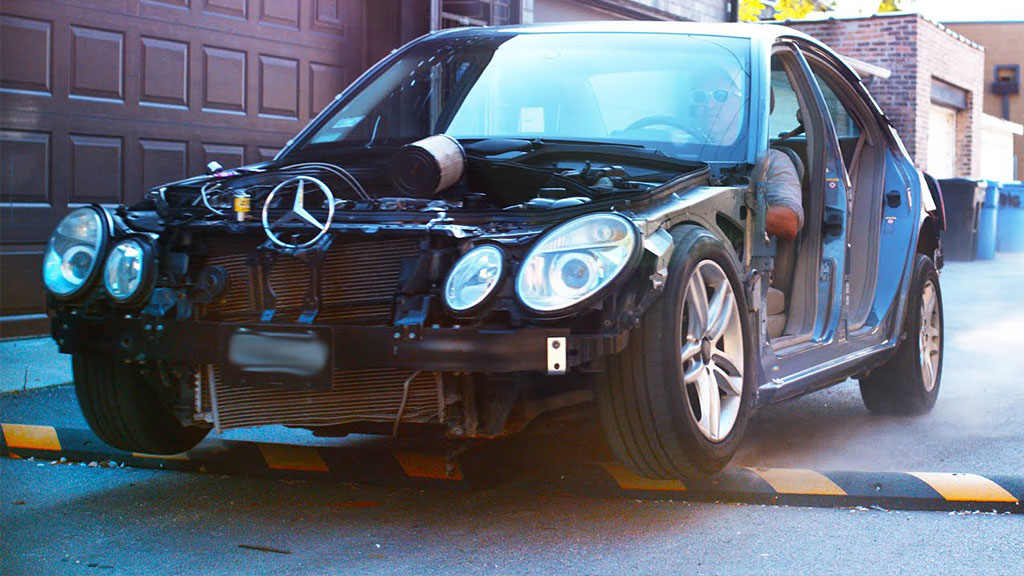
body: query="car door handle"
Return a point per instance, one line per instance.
(893, 198)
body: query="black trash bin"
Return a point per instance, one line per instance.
(963, 199)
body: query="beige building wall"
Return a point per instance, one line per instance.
(569, 11)
(1004, 44)
(575, 10)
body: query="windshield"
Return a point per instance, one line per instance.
(686, 96)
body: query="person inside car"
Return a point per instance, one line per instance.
(717, 109)
(785, 216)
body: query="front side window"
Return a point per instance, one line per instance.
(846, 126)
(687, 96)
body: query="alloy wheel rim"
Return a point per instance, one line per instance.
(929, 337)
(711, 352)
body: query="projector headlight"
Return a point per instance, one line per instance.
(473, 278)
(575, 261)
(128, 271)
(72, 255)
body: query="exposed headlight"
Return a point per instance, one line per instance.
(574, 261)
(127, 270)
(473, 278)
(71, 258)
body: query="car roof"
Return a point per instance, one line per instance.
(767, 32)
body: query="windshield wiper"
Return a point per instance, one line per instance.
(496, 146)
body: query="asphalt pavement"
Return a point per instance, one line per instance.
(73, 518)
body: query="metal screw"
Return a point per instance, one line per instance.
(555, 345)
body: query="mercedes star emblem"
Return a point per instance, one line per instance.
(276, 230)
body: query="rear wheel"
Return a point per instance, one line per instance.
(676, 401)
(124, 407)
(909, 382)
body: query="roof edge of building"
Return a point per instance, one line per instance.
(917, 15)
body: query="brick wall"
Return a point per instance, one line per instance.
(917, 51)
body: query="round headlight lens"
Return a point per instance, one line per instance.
(73, 251)
(574, 261)
(125, 270)
(473, 278)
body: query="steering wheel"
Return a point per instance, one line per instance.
(662, 120)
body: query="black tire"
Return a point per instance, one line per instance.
(126, 410)
(899, 385)
(641, 398)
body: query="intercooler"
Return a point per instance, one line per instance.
(359, 280)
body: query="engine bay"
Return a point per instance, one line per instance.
(511, 175)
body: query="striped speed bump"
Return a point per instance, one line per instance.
(801, 487)
(349, 464)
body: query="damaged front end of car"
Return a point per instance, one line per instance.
(335, 310)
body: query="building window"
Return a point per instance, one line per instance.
(455, 13)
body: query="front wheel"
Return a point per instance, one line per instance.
(125, 408)
(909, 382)
(676, 401)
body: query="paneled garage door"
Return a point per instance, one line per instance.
(941, 141)
(102, 99)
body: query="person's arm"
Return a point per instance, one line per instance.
(782, 222)
(785, 216)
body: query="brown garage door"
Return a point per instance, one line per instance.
(102, 99)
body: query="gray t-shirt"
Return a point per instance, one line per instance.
(783, 184)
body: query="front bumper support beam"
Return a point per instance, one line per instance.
(353, 347)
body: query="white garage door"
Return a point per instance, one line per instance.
(941, 142)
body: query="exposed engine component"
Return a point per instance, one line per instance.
(428, 166)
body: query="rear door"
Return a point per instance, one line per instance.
(102, 99)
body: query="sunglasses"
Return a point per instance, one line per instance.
(719, 96)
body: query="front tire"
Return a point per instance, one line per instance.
(125, 409)
(676, 401)
(908, 383)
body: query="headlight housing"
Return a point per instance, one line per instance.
(474, 277)
(574, 261)
(128, 271)
(72, 256)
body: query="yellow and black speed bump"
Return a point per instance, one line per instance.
(396, 466)
(348, 464)
(802, 487)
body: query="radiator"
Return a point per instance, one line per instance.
(354, 396)
(359, 279)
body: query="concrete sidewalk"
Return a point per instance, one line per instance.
(32, 363)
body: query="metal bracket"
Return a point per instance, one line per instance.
(556, 355)
(660, 244)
